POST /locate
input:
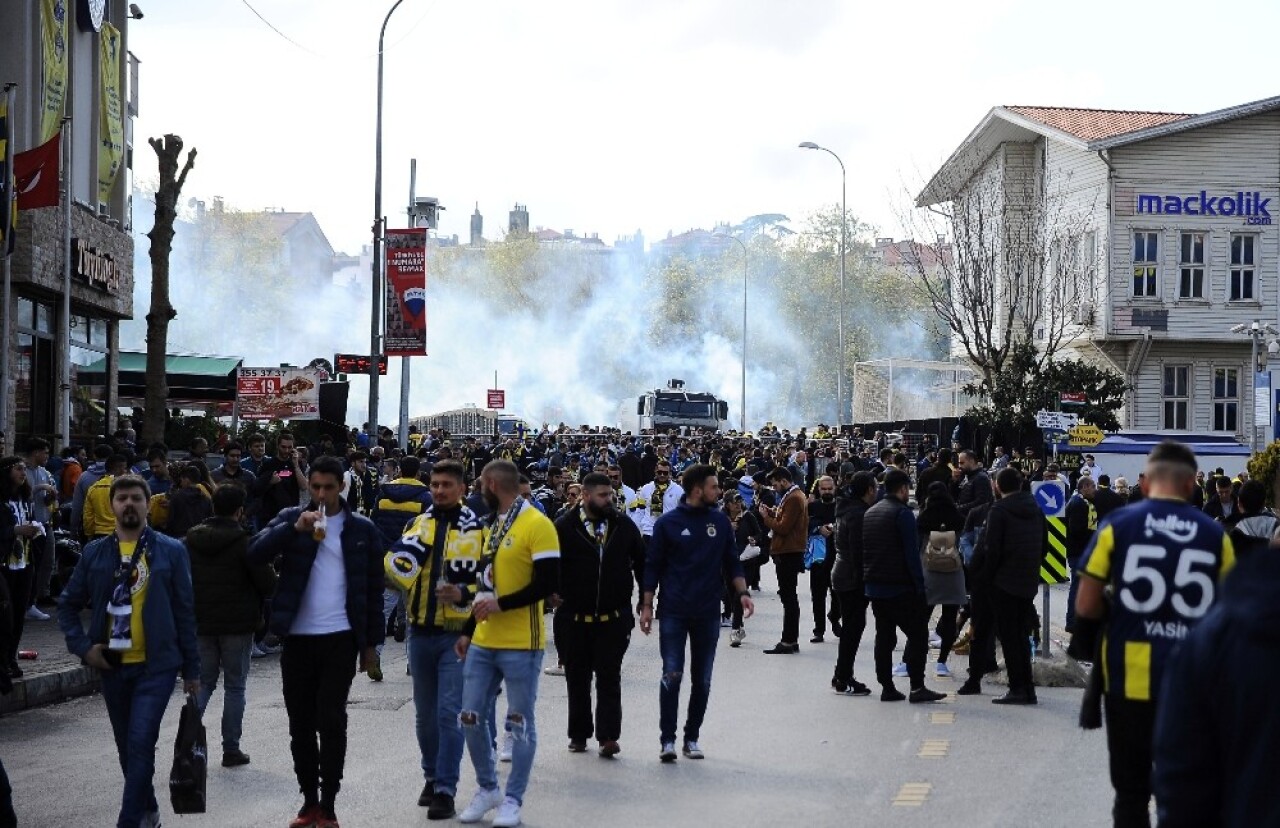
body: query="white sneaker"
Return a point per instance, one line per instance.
(482, 803)
(900, 670)
(257, 652)
(935, 641)
(692, 751)
(737, 637)
(508, 814)
(508, 745)
(668, 752)
(554, 670)
(34, 614)
(943, 670)
(151, 820)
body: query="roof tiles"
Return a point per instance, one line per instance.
(1095, 124)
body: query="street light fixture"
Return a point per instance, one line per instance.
(743, 245)
(1257, 332)
(844, 215)
(375, 310)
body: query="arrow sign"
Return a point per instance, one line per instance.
(1051, 497)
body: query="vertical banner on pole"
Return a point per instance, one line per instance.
(406, 328)
(111, 145)
(53, 65)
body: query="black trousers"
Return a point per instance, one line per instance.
(1011, 614)
(789, 568)
(590, 650)
(819, 589)
(948, 629)
(982, 644)
(1130, 733)
(19, 583)
(910, 614)
(316, 672)
(853, 619)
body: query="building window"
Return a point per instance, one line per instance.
(1242, 266)
(1191, 266)
(1226, 398)
(1146, 249)
(1176, 396)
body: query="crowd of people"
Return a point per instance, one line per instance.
(461, 547)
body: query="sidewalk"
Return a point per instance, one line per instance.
(53, 676)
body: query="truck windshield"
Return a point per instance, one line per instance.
(682, 408)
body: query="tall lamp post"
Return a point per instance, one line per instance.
(375, 309)
(844, 213)
(1257, 333)
(743, 245)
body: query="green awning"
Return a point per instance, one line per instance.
(190, 378)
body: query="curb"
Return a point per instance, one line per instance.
(47, 688)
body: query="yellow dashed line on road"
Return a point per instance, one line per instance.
(942, 718)
(912, 794)
(934, 749)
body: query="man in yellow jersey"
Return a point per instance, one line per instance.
(142, 631)
(434, 565)
(1152, 571)
(519, 568)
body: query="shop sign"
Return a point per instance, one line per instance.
(1248, 205)
(98, 268)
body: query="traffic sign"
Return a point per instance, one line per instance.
(496, 399)
(1056, 420)
(1051, 497)
(1054, 568)
(1073, 398)
(1086, 436)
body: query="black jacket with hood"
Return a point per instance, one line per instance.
(1010, 549)
(229, 590)
(1217, 722)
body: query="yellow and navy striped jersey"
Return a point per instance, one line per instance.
(1164, 560)
(410, 568)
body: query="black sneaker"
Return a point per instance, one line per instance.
(234, 758)
(817, 639)
(442, 807)
(783, 649)
(923, 694)
(889, 693)
(971, 687)
(428, 794)
(1015, 697)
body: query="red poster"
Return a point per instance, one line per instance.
(406, 328)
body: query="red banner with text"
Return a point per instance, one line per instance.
(406, 329)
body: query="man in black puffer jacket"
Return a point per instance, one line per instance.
(328, 607)
(229, 595)
(1006, 574)
(852, 502)
(601, 556)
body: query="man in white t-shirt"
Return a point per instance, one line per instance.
(329, 604)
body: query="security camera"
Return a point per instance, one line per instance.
(135, 12)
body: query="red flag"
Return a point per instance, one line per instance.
(35, 173)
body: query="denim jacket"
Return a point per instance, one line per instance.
(168, 616)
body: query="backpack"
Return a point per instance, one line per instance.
(940, 552)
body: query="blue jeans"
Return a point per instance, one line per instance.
(136, 700)
(482, 673)
(228, 656)
(702, 635)
(393, 604)
(437, 700)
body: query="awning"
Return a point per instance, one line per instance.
(192, 378)
(1142, 443)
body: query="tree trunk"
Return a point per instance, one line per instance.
(168, 151)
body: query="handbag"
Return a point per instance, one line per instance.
(190, 762)
(816, 552)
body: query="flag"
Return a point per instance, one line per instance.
(8, 212)
(36, 174)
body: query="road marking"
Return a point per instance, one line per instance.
(912, 794)
(942, 718)
(934, 749)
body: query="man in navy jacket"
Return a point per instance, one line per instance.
(691, 551)
(328, 608)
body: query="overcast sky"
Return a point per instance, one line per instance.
(659, 115)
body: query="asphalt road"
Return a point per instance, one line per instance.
(781, 749)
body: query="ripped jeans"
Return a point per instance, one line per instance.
(702, 635)
(483, 673)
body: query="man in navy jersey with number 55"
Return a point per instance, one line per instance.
(1152, 570)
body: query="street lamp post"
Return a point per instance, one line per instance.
(375, 309)
(743, 421)
(1257, 332)
(844, 213)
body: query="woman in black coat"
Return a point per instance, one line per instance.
(746, 532)
(944, 589)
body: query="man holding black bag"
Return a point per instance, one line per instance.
(137, 584)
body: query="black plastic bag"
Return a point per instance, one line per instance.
(190, 762)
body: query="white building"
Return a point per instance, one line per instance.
(1172, 219)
